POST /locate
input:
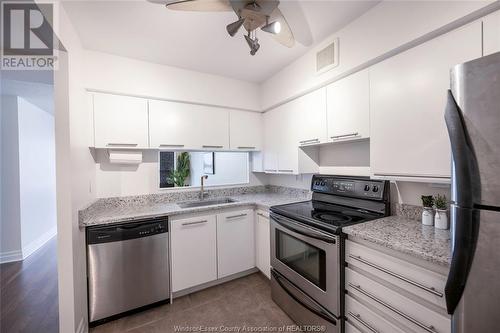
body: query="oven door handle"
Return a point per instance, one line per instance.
(319, 311)
(303, 230)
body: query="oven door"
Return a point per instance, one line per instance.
(309, 258)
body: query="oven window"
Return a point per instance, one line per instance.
(305, 259)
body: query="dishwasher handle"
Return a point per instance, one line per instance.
(126, 230)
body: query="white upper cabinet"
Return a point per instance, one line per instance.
(348, 103)
(188, 126)
(407, 102)
(245, 130)
(235, 242)
(310, 115)
(491, 33)
(120, 121)
(271, 140)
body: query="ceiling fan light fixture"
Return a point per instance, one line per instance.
(232, 28)
(273, 27)
(253, 44)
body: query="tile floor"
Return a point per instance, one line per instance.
(245, 302)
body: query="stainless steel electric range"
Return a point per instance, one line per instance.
(307, 246)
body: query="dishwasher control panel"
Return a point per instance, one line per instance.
(124, 231)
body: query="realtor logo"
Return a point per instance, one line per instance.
(27, 36)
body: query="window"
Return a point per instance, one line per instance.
(181, 168)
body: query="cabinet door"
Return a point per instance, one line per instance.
(408, 98)
(245, 130)
(310, 115)
(263, 243)
(120, 121)
(272, 131)
(491, 33)
(181, 125)
(348, 103)
(235, 242)
(287, 144)
(194, 251)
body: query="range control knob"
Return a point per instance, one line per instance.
(375, 188)
(323, 183)
(367, 187)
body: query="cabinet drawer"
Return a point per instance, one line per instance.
(351, 329)
(405, 311)
(365, 319)
(419, 281)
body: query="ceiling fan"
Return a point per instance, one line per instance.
(252, 15)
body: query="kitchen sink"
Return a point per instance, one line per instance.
(208, 202)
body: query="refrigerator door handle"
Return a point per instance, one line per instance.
(466, 223)
(465, 178)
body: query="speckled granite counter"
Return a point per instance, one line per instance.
(406, 236)
(112, 210)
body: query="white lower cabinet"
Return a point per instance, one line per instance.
(235, 242)
(263, 242)
(392, 293)
(194, 251)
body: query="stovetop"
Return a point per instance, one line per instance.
(326, 216)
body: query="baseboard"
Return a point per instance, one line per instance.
(10, 256)
(38, 243)
(82, 328)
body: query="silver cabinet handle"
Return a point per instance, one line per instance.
(194, 223)
(270, 170)
(285, 170)
(235, 216)
(171, 145)
(303, 142)
(208, 146)
(382, 174)
(428, 328)
(122, 144)
(260, 214)
(431, 290)
(357, 317)
(337, 137)
(243, 147)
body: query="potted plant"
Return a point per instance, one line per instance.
(428, 212)
(182, 171)
(441, 218)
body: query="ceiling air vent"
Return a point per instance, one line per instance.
(328, 57)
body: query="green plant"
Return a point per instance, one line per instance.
(182, 171)
(440, 201)
(427, 201)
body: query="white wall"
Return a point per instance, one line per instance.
(10, 226)
(114, 180)
(37, 174)
(110, 73)
(385, 27)
(75, 169)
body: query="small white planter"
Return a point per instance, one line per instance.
(428, 216)
(441, 219)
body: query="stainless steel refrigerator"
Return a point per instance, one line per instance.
(473, 120)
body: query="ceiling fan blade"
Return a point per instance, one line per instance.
(196, 5)
(285, 36)
(294, 14)
(261, 7)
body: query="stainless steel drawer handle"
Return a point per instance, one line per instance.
(309, 141)
(194, 223)
(170, 145)
(285, 170)
(208, 146)
(270, 170)
(122, 144)
(428, 328)
(357, 317)
(401, 277)
(260, 214)
(235, 216)
(243, 147)
(337, 137)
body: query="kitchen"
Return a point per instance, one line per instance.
(267, 187)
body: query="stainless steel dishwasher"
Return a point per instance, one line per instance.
(127, 267)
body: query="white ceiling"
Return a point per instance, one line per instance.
(197, 40)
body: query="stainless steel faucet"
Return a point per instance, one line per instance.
(202, 191)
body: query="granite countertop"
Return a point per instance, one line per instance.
(407, 236)
(120, 211)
